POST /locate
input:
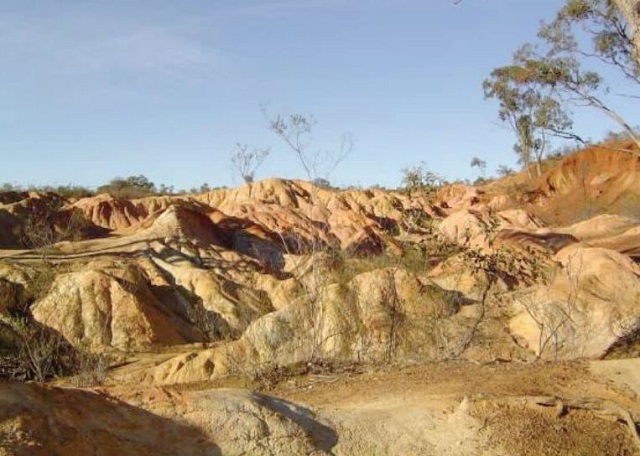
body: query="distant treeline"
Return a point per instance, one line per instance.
(119, 187)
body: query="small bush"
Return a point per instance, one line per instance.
(128, 188)
(39, 285)
(90, 368)
(40, 353)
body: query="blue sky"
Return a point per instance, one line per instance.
(91, 90)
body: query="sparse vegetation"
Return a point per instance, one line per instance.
(418, 178)
(366, 297)
(129, 187)
(504, 171)
(295, 131)
(530, 108)
(480, 164)
(246, 161)
(40, 353)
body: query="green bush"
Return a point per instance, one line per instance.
(129, 187)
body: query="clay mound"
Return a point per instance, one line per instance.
(283, 192)
(116, 304)
(241, 422)
(613, 167)
(225, 308)
(601, 179)
(23, 213)
(465, 228)
(301, 195)
(108, 212)
(518, 218)
(36, 420)
(296, 215)
(627, 243)
(458, 196)
(474, 228)
(181, 222)
(590, 306)
(274, 213)
(598, 179)
(357, 324)
(600, 226)
(548, 240)
(613, 232)
(122, 215)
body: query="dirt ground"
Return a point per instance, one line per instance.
(493, 395)
(460, 408)
(448, 408)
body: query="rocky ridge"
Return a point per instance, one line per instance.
(280, 275)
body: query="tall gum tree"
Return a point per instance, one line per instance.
(630, 9)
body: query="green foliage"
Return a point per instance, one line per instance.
(561, 64)
(542, 79)
(529, 104)
(504, 171)
(129, 187)
(322, 183)
(601, 21)
(480, 164)
(482, 181)
(420, 178)
(617, 135)
(65, 191)
(166, 190)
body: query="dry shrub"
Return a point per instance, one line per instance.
(91, 369)
(40, 353)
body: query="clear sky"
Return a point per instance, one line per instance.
(93, 89)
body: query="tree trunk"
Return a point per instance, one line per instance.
(631, 11)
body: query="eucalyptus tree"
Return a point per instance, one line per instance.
(622, 15)
(479, 163)
(612, 40)
(564, 75)
(630, 12)
(562, 61)
(609, 36)
(531, 109)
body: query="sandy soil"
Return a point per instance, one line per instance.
(465, 409)
(458, 408)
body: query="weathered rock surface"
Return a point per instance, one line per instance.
(255, 270)
(591, 304)
(51, 421)
(113, 304)
(379, 316)
(274, 210)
